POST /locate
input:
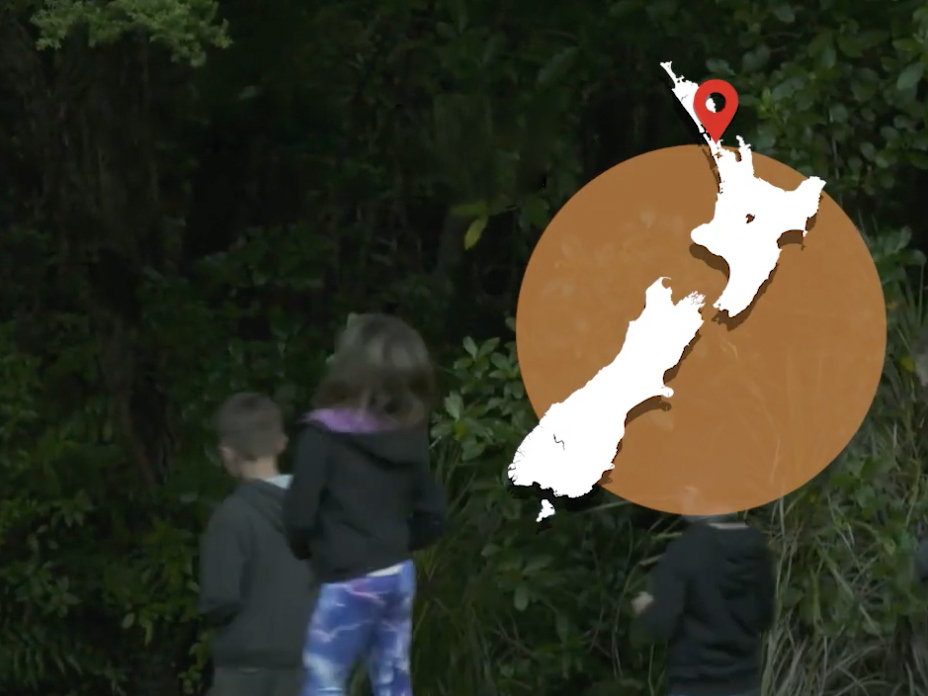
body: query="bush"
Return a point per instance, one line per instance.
(514, 607)
(849, 609)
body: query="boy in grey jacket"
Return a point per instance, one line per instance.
(252, 588)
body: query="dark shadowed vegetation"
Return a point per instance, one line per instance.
(195, 196)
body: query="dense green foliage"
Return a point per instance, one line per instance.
(196, 196)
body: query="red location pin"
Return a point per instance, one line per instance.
(715, 122)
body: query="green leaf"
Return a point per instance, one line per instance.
(874, 37)
(128, 621)
(910, 77)
(470, 347)
(446, 31)
(492, 51)
(782, 90)
(756, 59)
(864, 86)
(502, 204)
(249, 93)
(535, 212)
(851, 46)
(500, 362)
(556, 67)
(785, 14)
(471, 210)
(488, 347)
(821, 40)
(838, 113)
(489, 550)
(623, 8)
(907, 45)
(719, 67)
(917, 159)
(148, 627)
(471, 449)
(454, 405)
(764, 140)
(474, 232)
(520, 599)
(868, 151)
(537, 564)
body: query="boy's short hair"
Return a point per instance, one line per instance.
(251, 425)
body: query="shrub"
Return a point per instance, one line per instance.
(512, 607)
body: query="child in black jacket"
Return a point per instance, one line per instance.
(712, 598)
(362, 500)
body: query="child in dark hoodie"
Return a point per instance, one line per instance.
(712, 598)
(362, 500)
(251, 586)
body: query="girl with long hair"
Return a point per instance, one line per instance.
(362, 500)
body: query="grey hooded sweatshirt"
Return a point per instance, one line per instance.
(251, 585)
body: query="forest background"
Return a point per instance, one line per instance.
(196, 195)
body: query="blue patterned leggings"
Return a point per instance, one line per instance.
(369, 617)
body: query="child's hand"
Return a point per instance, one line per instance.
(641, 602)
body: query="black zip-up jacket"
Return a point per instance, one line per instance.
(361, 501)
(714, 598)
(251, 586)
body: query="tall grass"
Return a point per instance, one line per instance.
(850, 615)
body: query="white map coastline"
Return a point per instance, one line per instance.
(751, 215)
(576, 440)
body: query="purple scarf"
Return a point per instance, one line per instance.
(348, 420)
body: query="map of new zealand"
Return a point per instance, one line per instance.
(576, 440)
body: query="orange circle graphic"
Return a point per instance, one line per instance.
(763, 402)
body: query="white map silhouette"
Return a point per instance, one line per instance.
(751, 215)
(577, 439)
(547, 509)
